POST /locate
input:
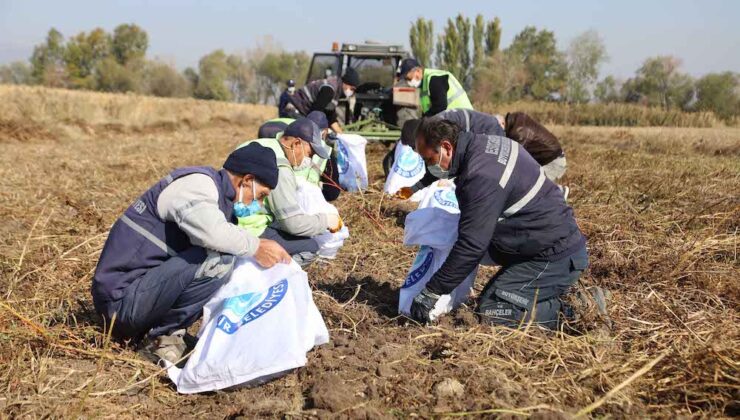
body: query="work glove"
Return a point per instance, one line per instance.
(422, 305)
(404, 193)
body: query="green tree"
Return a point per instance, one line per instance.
(16, 73)
(585, 56)
(462, 25)
(545, 65)
(421, 39)
(82, 54)
(451, 55)
(500, 79)
(493, 36)
(130, 42)
(161, 79)
(607, 90)
(659, 82)
(277, 67)
(111, 76)
(719, 93)
(47, 60)
(213, 71)
(479, 32)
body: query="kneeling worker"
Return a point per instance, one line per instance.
(323, 172)
(510, 210)
(284, 221)
(174, 247)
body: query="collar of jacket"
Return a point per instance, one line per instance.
(461, 150)
(228, 189)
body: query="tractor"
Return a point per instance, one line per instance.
(379, 101)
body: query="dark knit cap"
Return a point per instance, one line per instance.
(351, 77)
(254, 159)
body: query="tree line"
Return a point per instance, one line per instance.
(117, 62)
(532, 68)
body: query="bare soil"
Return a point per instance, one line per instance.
(660, 207)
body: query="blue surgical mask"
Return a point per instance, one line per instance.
(437, 170)
(246, 210)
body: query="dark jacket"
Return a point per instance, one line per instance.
(319, 95)
(469, 121)
(438, 87)
(539, 142)
(139, 240)
(284, 101)
(508, 208)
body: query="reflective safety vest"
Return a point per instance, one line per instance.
(257, 223)
(456, 96)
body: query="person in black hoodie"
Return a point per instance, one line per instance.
(510, 211)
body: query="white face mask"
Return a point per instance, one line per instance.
(348, 92)
(291, 90)
(414, 83)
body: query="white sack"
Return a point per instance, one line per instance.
(351, 162)
(408, 169)
(434, 227)
(312, 201)
(258, 325)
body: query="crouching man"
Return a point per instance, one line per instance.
(175, 246)
(510, 210)
(284, 220)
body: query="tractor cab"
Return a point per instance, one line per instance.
(371, 111)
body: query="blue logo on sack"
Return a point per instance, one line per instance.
(446, 198)
(409, 164)
(342, 158)
(245, 311)
(423, 262)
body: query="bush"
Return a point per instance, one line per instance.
(611, 114)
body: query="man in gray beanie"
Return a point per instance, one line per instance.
(175, 246)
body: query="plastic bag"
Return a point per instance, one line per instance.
(312, 201)
(259, 325)
(434, 227)
(408, 169)
(351, 162)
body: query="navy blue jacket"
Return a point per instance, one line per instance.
(508, 208)
(139, 240)
(469, 121)
(284, 101)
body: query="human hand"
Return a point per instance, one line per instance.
(404, 193)
(334, 221)
(270, 253)
(422, 305)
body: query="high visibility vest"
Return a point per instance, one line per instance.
(257, 223)
(286, 121)
(456, 96)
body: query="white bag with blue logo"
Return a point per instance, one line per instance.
(258, 325)
(312, 201)
(351, 162)
(408, 169)
(434, 227)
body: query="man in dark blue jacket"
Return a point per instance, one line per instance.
(510, 211)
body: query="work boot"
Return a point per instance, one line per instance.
(304, 258)
(587, 308)
(165, 348)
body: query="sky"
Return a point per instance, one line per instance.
(704, 34)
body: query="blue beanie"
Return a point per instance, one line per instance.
(254, 159)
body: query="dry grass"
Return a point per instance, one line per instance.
(30, 112)
(660, 208)
(613, 114)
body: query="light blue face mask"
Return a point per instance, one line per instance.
(246, 210)
(437, 170)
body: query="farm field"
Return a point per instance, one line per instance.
(660, 207)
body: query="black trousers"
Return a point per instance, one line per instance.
(518, 291)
